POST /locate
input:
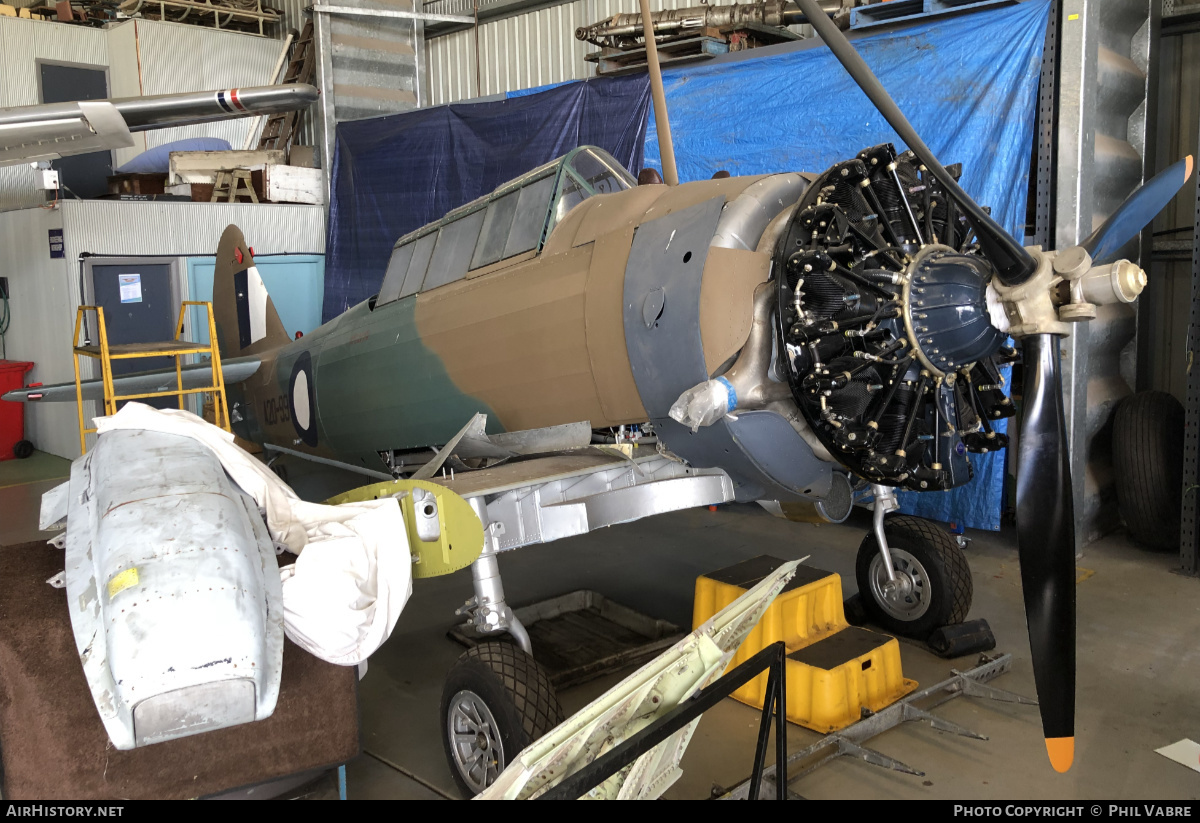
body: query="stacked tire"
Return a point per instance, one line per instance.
(1148, 466)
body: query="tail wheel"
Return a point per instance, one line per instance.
(933, 582)
(496, 701)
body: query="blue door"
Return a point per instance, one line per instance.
(295, 282)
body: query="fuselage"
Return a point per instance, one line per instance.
(533, 341)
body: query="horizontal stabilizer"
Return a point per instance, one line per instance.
(194, 377)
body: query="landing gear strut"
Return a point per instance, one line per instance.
(912, 576)
(497, 699)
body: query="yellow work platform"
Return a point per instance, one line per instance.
(834, 670)
(177, 349)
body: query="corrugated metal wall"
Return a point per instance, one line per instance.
(1107, 93)
(174, 57)
(185, 229)
(142, 57)
(374, 63)
(46, 292)
(520, 52)
(40, 294)
(22, 44)
(369, 66)
(293, 16)
(1164, 306)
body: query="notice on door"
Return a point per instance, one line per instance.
(131, 287)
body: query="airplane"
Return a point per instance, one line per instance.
(775, 335)
(53, 130)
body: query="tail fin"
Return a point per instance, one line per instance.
(247, 322)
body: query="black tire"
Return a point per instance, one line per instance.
(23, 449)
(520, 698)
(944, 579)
(1148, 467)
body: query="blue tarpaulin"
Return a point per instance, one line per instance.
(968, 84)
(395, 174)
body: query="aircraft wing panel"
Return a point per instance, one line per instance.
(49, 131)
(194, 376)
(81, 127)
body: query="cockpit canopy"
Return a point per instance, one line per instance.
(514, 219)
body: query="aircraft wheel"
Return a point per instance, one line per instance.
(496, 701)
(933, 582)
(1148, 467)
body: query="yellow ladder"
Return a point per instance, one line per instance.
(176, 348)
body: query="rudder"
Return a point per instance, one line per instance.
(245, 316)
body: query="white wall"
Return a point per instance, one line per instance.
(22, 44)
(41, 320)
(45, 292)
(142, 57)
(174, 57)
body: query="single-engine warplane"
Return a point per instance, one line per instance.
(779, 334)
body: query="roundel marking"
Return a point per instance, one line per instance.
(302, 399)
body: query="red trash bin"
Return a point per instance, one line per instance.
(12, 415)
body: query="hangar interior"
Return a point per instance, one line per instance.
(472, 373)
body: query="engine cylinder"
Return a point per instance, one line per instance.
(884, 333)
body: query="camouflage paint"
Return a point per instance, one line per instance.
(378, 386)
(539, 342)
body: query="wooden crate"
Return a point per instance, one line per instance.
(202, 166)
(137, 184)
(294, 184)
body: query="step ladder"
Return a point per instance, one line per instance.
(231, 184)
(835, 671)
(280, 127)
(177, 348)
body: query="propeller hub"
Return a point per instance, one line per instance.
(945, 309)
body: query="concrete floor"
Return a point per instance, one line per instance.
(1138, 661)
(1138, 666)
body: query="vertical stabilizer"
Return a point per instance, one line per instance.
(247, 322)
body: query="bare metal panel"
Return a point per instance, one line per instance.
(367, 67)
(1107, 88)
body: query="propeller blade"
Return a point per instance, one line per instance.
(1013, 264)
(1136, 212)
(1046, 543)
